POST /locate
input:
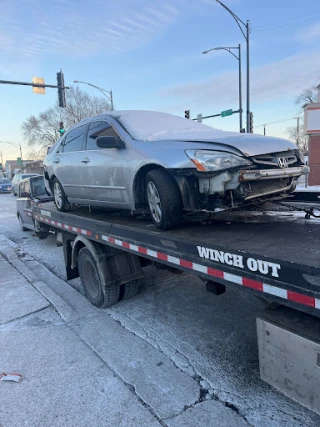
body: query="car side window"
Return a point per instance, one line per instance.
(99, 128)
(74, 140)
(24, 189)
(60, 147)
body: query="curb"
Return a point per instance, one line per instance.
(8, 251)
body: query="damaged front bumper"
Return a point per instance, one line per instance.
(255, 175)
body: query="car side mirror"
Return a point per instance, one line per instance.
(24, 194)
(49, 148)
(109, 142)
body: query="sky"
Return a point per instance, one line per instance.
(149, 53)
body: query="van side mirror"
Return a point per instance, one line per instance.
(109, 142)
(49, 148)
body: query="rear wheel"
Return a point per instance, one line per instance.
(164, 199)
(60, 197)
(129, 290)
(92, 281)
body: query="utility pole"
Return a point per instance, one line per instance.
(264, 129)
(298, 131)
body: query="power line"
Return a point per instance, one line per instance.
(278, 121)
(285, 20)
(283, 25)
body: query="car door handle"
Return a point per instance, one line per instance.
(85, 160)
(57, 160)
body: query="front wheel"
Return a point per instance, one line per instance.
(60, 198)
(164, 199)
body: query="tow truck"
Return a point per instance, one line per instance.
(276, 258)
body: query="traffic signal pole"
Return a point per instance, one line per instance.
(61, 88)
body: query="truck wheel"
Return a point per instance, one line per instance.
(92, 282)
(60, 198)
(164, 199)
(129, 290)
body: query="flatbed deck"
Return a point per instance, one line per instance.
(278, 254)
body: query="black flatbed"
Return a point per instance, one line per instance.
(248, 239)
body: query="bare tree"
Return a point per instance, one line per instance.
(299, 138)
(306, 96)
(297, 135)
(43, 130)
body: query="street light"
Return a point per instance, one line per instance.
(15, 145)
(228, 49)
(104, 91)
(1, 159)
(246, 36)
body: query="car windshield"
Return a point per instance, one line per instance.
(5, 181)
(155, 126)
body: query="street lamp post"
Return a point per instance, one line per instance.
(1, 159)
(228, 49)
(246, 35)
(15, 145)
(104, 91)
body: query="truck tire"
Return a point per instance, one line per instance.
(60, 198)
(129, 290)
(92, 282)
(164, 199)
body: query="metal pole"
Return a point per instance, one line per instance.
(298, 131)
(264, 129)
(240, 90)
(111, 99)
(248, 79)
(20, 151)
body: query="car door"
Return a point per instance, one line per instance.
(67, 161)
(23, 203)
(103, 169)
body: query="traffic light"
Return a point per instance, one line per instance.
(251, 122)
(61, 90)
(187, 114)
(61, 130)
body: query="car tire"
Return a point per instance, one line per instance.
(164, 199)
(92, 282)
(60, 198)
(21, 224)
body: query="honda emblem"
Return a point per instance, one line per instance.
(282, 162)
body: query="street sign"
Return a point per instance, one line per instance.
(19, 161)
(199, 118)
(226, 113)
(39, 90)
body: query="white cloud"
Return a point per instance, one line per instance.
(309, 33)
(282, 79)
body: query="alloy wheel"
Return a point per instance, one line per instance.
(57, 192)
(154, 202)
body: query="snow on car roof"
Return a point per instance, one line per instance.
(156, 126)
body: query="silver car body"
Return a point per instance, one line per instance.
(114, 177)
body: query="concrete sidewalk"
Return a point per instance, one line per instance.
(79, 366)
(64, 382)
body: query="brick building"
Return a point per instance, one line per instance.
(312, 129)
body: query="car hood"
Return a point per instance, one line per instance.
(250, 144)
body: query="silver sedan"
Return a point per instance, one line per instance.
(144, 160)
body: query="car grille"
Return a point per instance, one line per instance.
(278, 160)
(262, 188)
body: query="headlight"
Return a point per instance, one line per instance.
(206, 160)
